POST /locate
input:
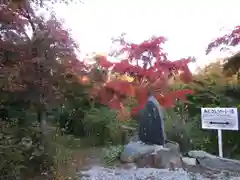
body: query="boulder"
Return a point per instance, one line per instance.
(172, 146)
(135, 150)
(134, 138)
(162, 158)
(200, 154)
(189, 161)
(212, 162)
(152, 156)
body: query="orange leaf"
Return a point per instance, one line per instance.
(121, 87)
(169, 99)
(84, 80)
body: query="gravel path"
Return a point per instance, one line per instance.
(100, 173)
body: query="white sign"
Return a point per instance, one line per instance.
(220, 118)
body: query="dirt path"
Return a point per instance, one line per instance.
(81, 159)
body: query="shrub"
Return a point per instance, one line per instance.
(186, 130)
(23, 152)
(177, 129)
(111, 154)
(104, 126)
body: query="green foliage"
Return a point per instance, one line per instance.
(177, 129)
(71, 113)
(111, 154)
(10, 151)
(104, 126)
(185, 130)
(22, 148)
(212, 89)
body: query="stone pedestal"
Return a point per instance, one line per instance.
(153, 156)
(162, 158)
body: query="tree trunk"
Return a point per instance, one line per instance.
(41, 114)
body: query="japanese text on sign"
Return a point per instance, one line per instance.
(219, 118)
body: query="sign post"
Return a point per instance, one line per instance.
(220, 119)
(220, 147)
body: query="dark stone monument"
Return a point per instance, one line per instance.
(151, 125)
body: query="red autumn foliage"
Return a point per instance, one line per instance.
(120, 86)
(149, 67)
(33, 65)
(51, 50)
(230, 39)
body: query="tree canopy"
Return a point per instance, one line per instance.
(231, 39)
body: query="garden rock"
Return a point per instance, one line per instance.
(189, 161)
(134, 138)
(172, 146)
(135, 150)
(152, 155)
(212, 162)
(161, 158)
(200, 154)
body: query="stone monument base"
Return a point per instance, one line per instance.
(152, 156)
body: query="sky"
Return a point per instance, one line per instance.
(188, 25)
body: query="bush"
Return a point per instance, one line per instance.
(111, 154)
(177, 129)
(23, 152)
(186, 130)
(103, 125)
(11, 152)
(211, 89)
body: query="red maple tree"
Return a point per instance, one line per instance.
(51, 47)
(34, 64)
(230, 39)
(148, 66)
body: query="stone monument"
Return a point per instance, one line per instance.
(151, 124)
(153, 150)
